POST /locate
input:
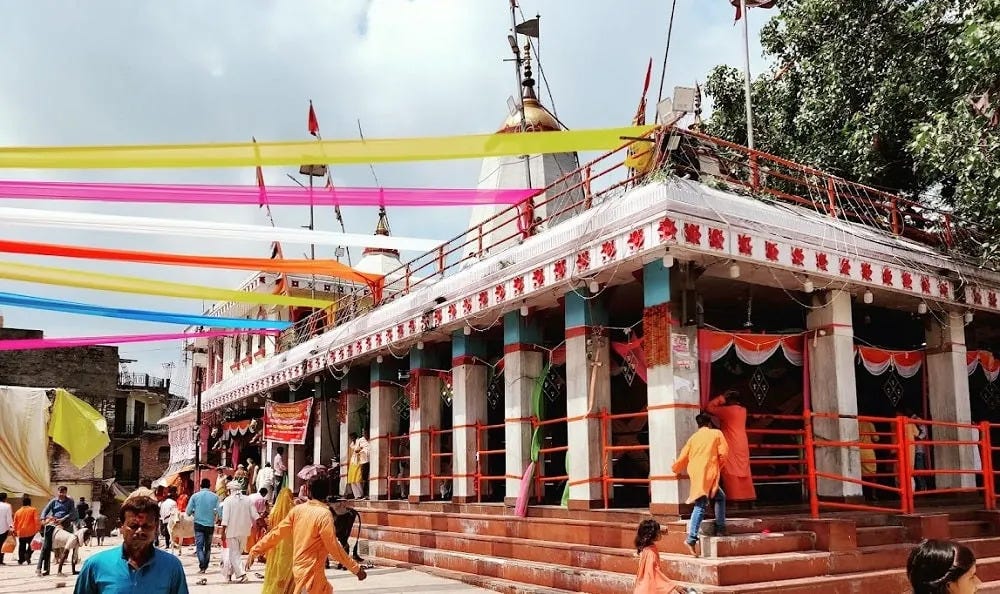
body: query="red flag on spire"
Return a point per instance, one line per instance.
(313, 122)
(751, 4)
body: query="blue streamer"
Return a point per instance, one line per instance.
(27, 301)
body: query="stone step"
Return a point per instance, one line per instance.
(870, 536)
(969, 528)
(480, 581)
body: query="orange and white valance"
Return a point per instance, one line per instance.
(234, 428)
(752, 349)
(877, 361)
(984, 360)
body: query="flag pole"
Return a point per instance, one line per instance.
(746, 71)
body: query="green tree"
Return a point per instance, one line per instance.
(886, 92)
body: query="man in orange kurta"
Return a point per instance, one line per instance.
(703, 456)
(732, 416)
(310, 527)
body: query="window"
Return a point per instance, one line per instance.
(163, 455)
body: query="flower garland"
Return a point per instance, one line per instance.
(412, 390)
(342, 409)
(656, 334)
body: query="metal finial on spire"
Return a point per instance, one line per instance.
(698, 122)
(528, 83)
(382, 227)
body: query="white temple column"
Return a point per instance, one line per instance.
(384, 421)
(671, 389)
(468, 377)
(834, 390)
(426, 416)
(948, 386)
(522, 365)
(587, 368)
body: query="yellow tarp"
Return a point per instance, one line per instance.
(78, 428)
(377, 150)
(24, 447)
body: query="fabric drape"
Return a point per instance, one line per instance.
(24, 443)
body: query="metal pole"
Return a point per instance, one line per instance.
(520, 86)
(746, 66)
(197, 424)
(666, 52)
(312, 246)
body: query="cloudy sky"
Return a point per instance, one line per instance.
(124, 72)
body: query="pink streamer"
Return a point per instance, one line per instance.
(83, 341)
(275, 196)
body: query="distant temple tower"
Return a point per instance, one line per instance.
(512, 172)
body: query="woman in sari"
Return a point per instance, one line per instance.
(278, 568)
(354, 467)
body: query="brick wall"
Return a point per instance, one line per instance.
(86, 371)
(149, 466)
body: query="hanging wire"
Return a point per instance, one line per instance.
(666, 52)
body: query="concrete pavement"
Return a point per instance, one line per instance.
(16, 579)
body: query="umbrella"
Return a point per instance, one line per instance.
(311, 471)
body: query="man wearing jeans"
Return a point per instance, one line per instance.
(702, 457)
(60, 510)
(201, 507)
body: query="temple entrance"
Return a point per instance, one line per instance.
(492, 440)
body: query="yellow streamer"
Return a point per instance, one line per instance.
(130, 284)
(246, 154)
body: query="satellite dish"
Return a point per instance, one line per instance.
(684, 99)
(512, 105)
(664, 111)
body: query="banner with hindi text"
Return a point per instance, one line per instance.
(287, 422)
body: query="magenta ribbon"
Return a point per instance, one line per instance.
(274, 196)
(83, 341)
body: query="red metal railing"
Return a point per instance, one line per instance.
(608, 450)
(950, 446)
(439, 457)
(777, 462)
(892, 441)
(542, 479)
(482, 459)
(396, 445)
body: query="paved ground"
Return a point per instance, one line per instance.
(16, 579)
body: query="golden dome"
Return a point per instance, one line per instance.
(536, 119)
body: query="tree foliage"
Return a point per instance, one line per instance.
(901, 94)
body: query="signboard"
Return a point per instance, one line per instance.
(287, 422)
(680, 344)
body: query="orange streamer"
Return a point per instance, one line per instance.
(319, 267)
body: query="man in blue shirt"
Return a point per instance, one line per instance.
(60, 510)
(137, 566)
(202, 507)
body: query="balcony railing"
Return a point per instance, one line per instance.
(676, 152)
(130, 430)
(142, 380)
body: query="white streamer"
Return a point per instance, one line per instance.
(148, 225)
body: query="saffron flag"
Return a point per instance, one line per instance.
(313, 123)
(281, 288)
(751, 4)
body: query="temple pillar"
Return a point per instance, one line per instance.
(384, 422)
(468, 384)
(948, 385)
(588, 391)
(672, 393)
(296, 455)
(834, 390)
(425, 414)
(522, 362)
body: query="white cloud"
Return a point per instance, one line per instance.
(191, 71)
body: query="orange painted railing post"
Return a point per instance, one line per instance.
(812, 481)
(986, 455)
(894, 213)
(831, 194)
(604, 455)
(754, 172)
(904, 475)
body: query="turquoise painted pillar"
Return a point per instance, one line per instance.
(522, 365)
